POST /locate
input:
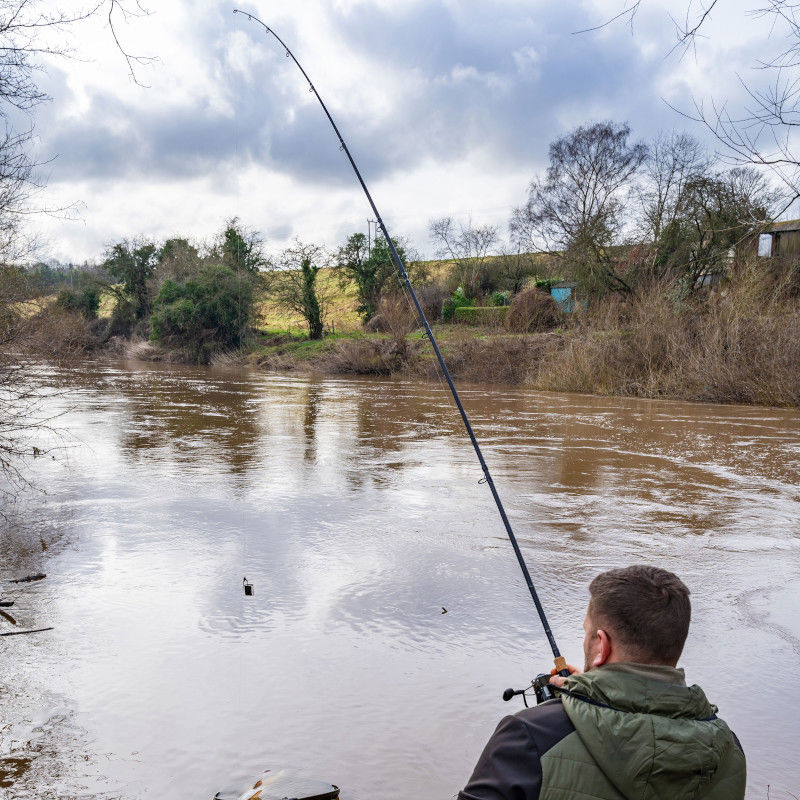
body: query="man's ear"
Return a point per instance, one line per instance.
(603, 652)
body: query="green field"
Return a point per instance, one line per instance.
(339, 304)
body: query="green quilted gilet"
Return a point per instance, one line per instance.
(641, 734)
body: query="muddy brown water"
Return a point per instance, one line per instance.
(355, 509)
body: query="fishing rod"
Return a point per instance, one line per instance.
(559, 660)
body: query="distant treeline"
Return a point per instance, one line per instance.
(620, 221)
(46, 277)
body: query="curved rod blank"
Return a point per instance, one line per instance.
(559, 660)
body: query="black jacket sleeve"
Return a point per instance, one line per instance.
(509, 767)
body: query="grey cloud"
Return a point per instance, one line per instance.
(280, 233)
(493, 103)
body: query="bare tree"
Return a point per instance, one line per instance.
(516, 266)
(467, 245)
(578, 211)
(763, 132)
(29, 30)
(673, 160)
(692, 215)
(296, 288)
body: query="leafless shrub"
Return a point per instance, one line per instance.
(431, 298)
(740, 345)
(27, 429)
(395, 316)
(532, 310)
(367, 356)
(497, 359)
(57, 335)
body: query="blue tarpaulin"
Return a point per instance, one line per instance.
(564, 295)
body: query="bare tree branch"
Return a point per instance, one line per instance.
(629, 12)
(763, 132)
(130, 59)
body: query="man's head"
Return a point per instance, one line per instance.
(637, 613)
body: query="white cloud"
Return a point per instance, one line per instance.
(448, 105)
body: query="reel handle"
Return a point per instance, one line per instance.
(561, 666)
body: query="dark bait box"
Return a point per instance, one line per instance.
(283, 784)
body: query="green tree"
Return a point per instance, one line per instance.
(716, 213)
(373, 273)
(240, 249)
(209, 311)
(309, 301)
(133, 265)
(85, 300)
(177, 259)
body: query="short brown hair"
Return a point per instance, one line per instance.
(647, 608)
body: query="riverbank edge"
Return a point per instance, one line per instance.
(602, 363)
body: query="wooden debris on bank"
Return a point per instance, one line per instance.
(30, 578)
(20, 633)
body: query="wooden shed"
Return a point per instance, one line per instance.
(780, 239)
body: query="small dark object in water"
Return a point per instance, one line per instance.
(5, 615)
(248, 588)
(19, 633)
(30, 578)
(281, 785)
(6, 603)
(444, 610)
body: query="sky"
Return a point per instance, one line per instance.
(447, 105)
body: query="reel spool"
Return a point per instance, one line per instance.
(540, 686)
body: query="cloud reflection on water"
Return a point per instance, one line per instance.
(354, 508)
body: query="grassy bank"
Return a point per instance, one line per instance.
(739, 343)
(734, 366)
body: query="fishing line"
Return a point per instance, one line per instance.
(247, 587)
(560, 661)
(445, 392)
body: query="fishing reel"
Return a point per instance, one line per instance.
(540, 686)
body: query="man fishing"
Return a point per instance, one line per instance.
(626, 727)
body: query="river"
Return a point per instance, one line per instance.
(354, 508)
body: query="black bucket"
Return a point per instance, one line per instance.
(283, 784)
